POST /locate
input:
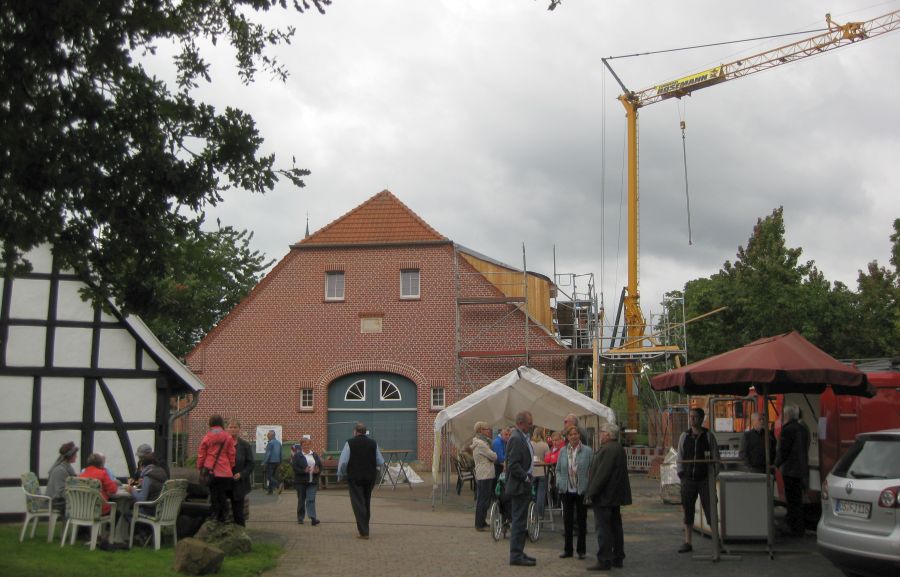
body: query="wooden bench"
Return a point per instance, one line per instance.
(328, 477)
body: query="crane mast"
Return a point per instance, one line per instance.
(636, 344)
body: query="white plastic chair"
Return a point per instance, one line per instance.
(37, 507)
(84, 507)
(162, 512)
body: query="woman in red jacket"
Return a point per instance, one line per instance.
(217, 454)
(95, 470)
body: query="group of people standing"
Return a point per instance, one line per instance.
(698, 450)
(230, 459)
(584, 477)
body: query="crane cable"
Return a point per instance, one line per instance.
(687, 195)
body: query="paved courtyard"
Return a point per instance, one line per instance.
(409, 538)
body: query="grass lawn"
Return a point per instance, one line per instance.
(37, 558)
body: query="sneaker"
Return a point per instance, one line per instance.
(685, 548)
(299, 521)
(315, 522)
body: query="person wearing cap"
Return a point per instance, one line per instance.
(144, 450)
(60, 471)
(307, 467)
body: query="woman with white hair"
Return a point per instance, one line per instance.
(609, 489)
(484, 472)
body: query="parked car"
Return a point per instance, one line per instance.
(859, 530)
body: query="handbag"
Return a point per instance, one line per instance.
(206, 473)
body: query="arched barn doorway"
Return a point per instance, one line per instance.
(385, 402)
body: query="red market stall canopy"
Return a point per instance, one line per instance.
(781, 364)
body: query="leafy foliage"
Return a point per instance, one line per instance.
(206, 277)
(114, 167)
(768, 290)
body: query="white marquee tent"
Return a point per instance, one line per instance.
(524, 389)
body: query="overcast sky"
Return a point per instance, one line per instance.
(497, 123)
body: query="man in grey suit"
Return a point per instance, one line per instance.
(519, 474)
(609, 489)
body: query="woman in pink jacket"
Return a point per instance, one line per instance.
(217, 453)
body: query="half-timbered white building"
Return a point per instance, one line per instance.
(72, 371)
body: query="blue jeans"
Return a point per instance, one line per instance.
(271, 481)
(306, 500)
(519, 527)
(540, 498)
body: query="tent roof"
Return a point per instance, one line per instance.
(524, 389)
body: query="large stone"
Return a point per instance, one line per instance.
(229, 537)
(195, 557)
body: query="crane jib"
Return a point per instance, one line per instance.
(685, 85)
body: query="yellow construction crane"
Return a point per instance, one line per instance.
(636, 345)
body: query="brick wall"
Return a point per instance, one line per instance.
(285, 337)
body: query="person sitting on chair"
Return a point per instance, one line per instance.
(96, 470)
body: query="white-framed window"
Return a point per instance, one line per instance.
(334, 286)
(437, 398)
(409, 283)
(389, 391)
(306, 398)
(356, 391)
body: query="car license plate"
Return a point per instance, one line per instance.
(852, 508)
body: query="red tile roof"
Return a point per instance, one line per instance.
(381, 219)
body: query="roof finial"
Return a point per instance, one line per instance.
(307, 224)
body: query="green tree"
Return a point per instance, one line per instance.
(208, 276)
(768, 290)
(109, 164)
(877, 332)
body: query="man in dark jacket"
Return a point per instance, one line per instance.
(753, 446)
(609, 489)
(793, 460)
(359, 463)
(519, 474)
(697, 448)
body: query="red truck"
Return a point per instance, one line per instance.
(833, 421)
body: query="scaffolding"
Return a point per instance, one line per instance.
(558, 319)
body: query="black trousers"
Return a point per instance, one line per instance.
(610, 537)
(574, 518)
(690, 490)
(483, 492)
(220, 491)
(237, 507)
(361, 502)
(793, 495)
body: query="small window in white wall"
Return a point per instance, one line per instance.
(437, 398)
(334, 286)
(409, 284)
(356, 391)
(389, 391)
(306, 398)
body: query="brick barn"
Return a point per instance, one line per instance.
(375, 317)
